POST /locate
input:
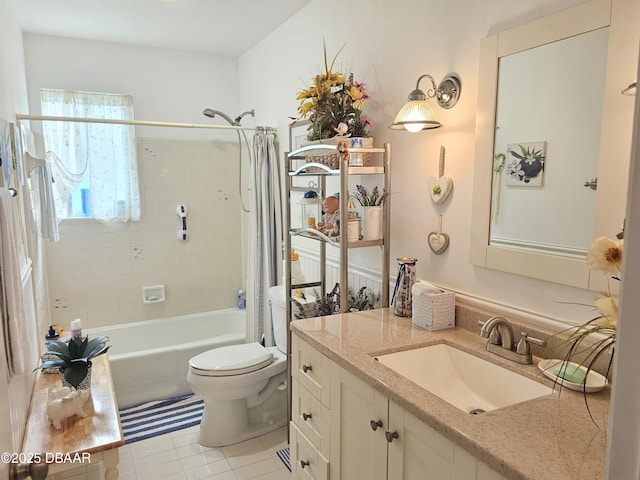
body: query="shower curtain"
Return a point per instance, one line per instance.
(265, 235)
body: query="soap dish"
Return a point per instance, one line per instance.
(594, 382)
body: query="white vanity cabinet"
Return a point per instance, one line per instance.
(359, 433)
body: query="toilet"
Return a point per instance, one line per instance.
(244, 387)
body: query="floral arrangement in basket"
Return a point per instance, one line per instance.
(334, 104)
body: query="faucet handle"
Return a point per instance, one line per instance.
(523, 347)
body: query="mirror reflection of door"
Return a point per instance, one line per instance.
(547, 140)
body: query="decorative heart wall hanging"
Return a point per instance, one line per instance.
(438, 241)
(440, 187)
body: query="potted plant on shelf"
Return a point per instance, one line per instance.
(333, 105)
(372, 207)
(73, 358)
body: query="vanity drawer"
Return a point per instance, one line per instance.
(312, 369)
(311, 417)
(306, 461)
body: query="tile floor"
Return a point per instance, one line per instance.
(178, 456)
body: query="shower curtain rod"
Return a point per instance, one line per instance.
(145, 123)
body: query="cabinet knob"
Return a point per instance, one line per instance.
(306, 368)
(391, 435)
(304, 463)
(375, 424)
(306, 416)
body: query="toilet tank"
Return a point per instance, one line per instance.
(278, 314)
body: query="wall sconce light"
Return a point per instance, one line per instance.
(417, 114)
(631, 89)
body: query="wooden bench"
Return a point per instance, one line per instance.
(80, 441)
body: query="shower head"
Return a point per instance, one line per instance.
(251, 112)
(208, 112)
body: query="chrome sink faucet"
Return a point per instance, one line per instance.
(501, 340)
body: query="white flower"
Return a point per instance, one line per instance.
(515, 169)
(605, 255)
(608, 306)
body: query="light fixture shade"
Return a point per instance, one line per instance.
(416, 115)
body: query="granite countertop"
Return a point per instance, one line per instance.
(547, 438)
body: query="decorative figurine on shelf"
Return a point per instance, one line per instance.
(330, 224)
(341, 130)
(66, 402)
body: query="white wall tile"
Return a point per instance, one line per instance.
(99, 270)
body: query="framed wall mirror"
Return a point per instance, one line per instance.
(542, 137)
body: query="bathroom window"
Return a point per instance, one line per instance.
(94, 165)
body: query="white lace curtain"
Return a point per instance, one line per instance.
(103, 153)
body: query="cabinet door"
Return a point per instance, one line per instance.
(421, 453)
(418, 452)
(357, 450)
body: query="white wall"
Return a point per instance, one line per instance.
(166, 85)
(97, 271)
(388, 46)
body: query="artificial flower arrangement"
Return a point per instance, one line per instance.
(605, 255)
(364, 299)
(370, 199)
(334, 104)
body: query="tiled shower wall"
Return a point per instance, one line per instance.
(97, 271)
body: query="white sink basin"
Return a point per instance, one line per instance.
(465, 381)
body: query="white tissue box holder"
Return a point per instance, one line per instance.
(433, 308)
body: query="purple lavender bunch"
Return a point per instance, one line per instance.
(366, 199)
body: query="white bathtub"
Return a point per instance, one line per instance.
(149, 359)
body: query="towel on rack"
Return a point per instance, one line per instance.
(48, 205)
(15, 324)
(48, 216)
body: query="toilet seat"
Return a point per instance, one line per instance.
(231, 360)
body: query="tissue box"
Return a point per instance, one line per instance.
(433, 308)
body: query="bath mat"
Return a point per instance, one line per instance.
(284, 456)
(159, 417)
